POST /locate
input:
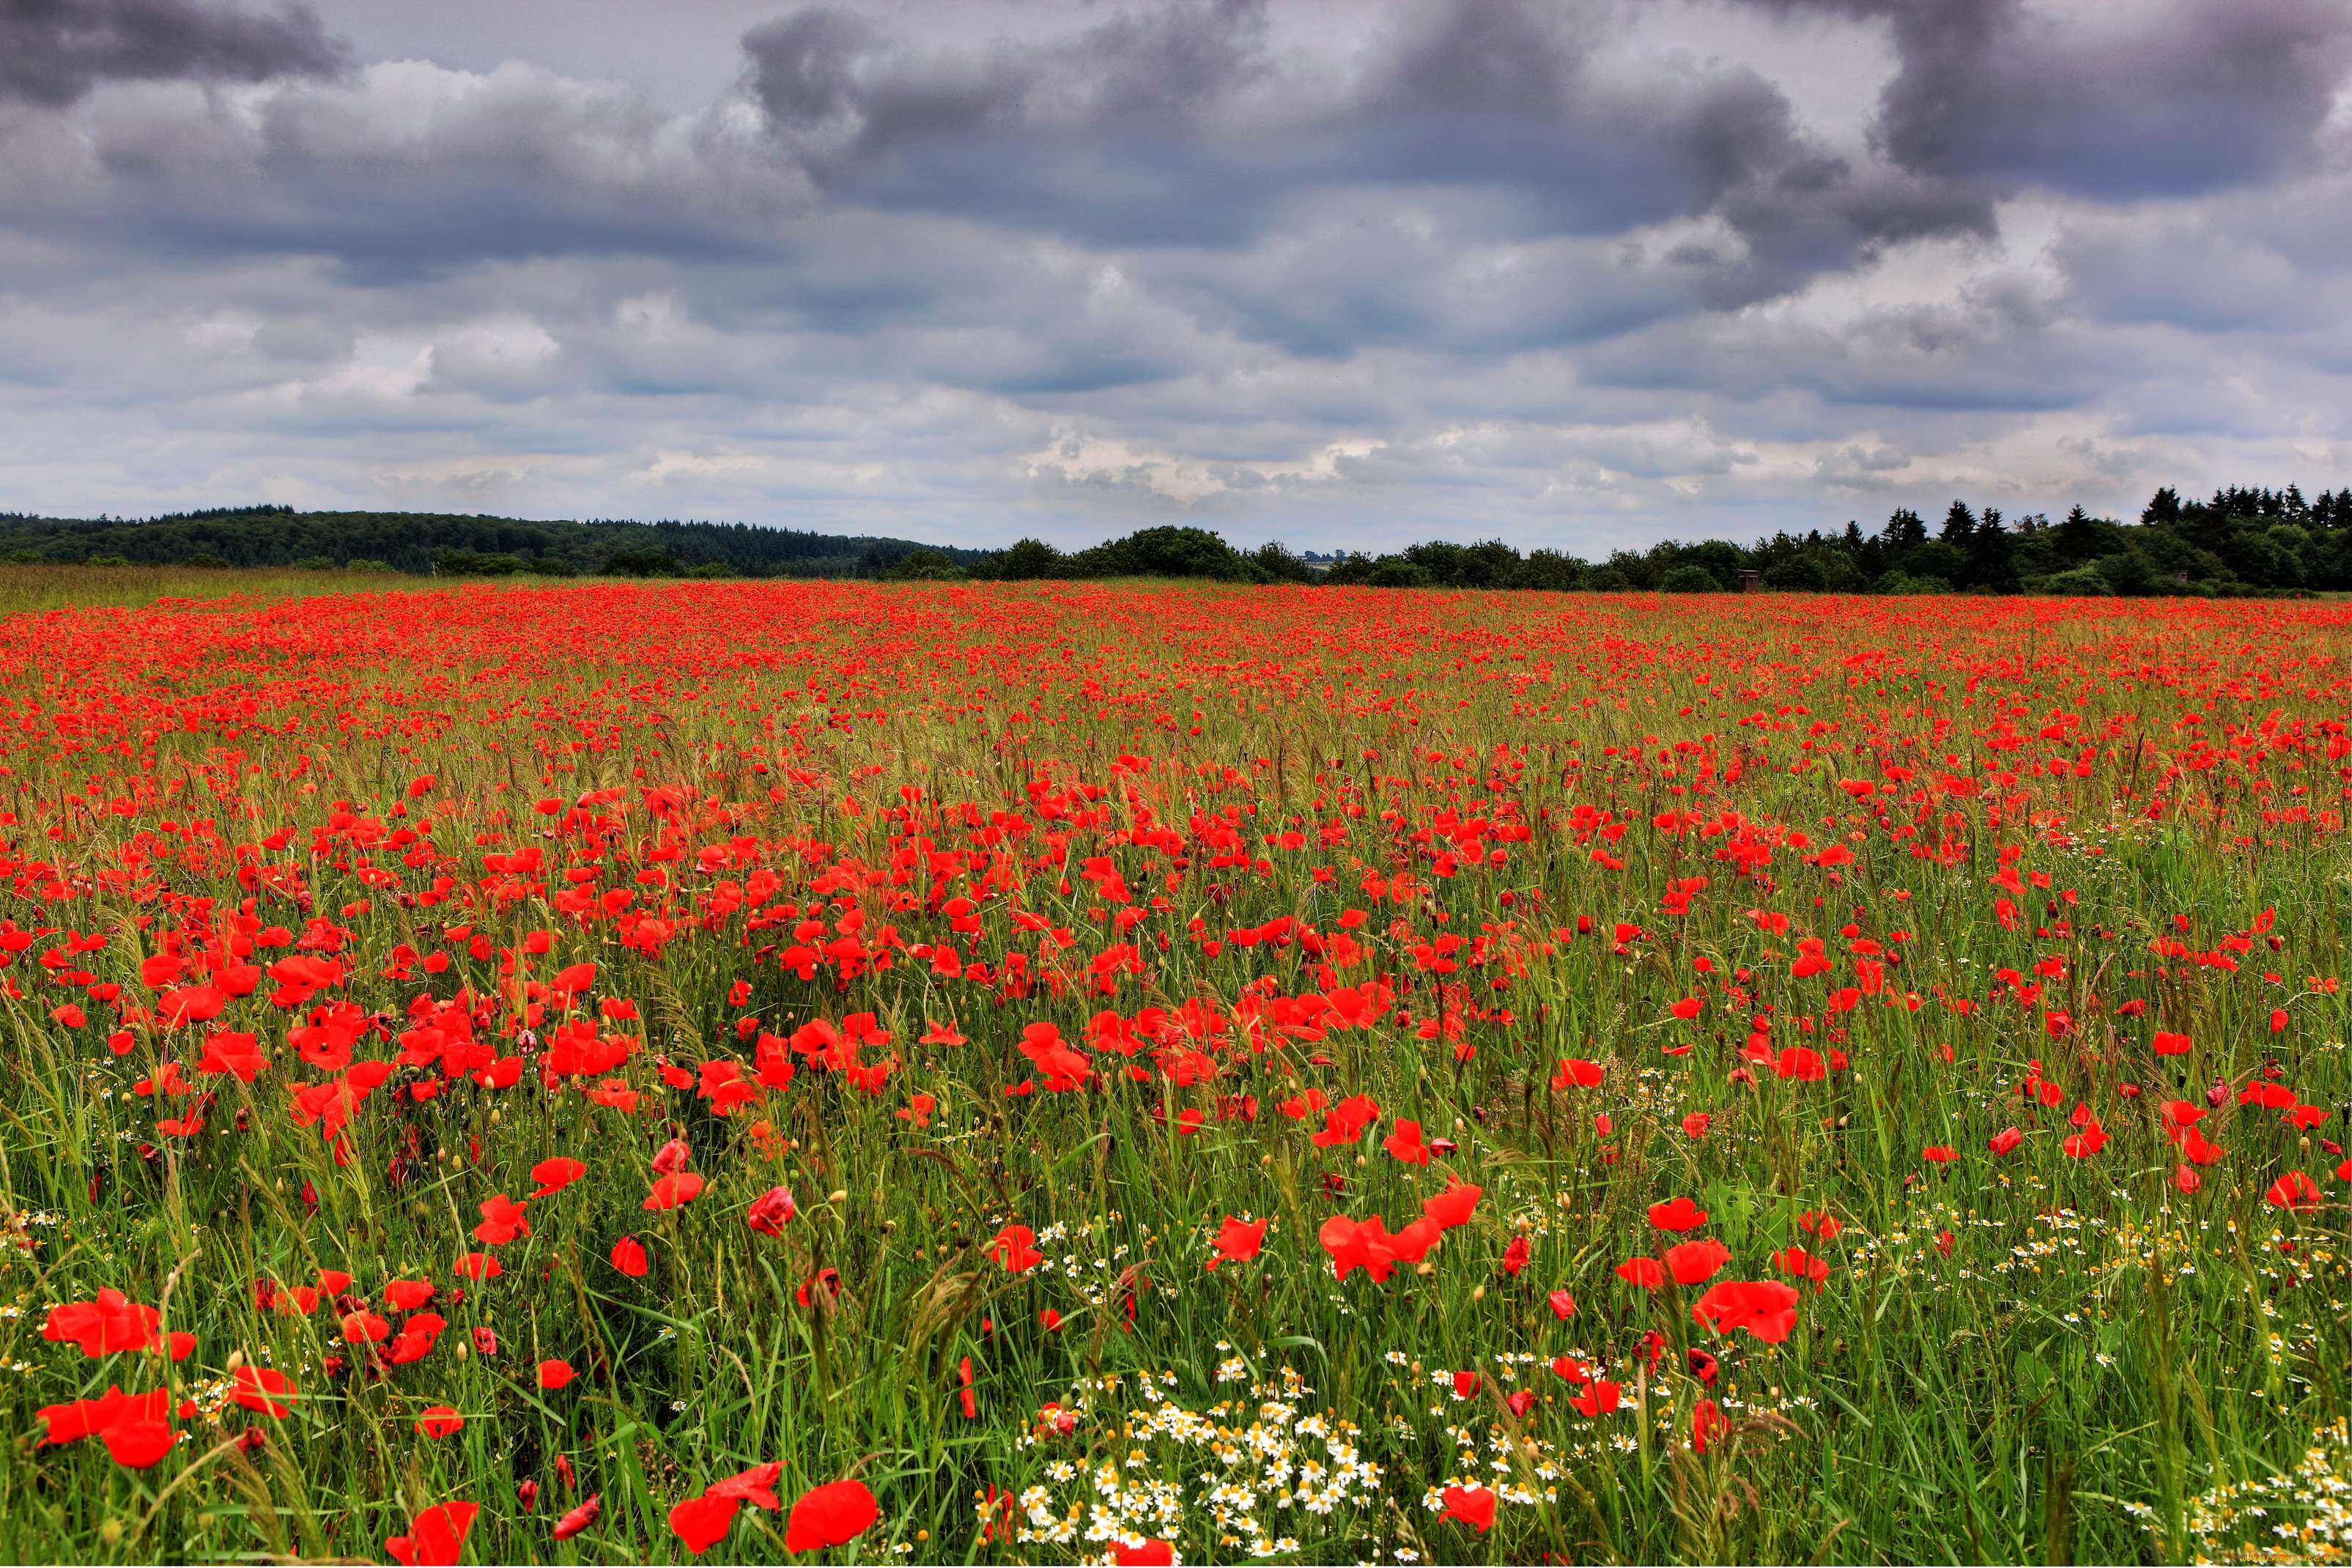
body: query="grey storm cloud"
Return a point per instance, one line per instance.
(1121, 135)
(2205, 96)
(53, 51)
(1349, 268)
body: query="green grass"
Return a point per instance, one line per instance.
(2096, 1353)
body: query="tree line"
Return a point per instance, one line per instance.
(426, 543)
(2240, 542)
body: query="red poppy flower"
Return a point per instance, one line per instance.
(502, 1220)
(1015, 1248)
(2293, 1192)
(1237, 1242)
(1799, 1063)
(1597, 1400)
(629, 1257)
(1515, 1256)
(2087, 1142)
(1466, 1383)
(1678, 1214)
(1577, 1073)
(1406, 1143)
(478, 1265)
(1707, 1425)
(2002, 1142)
(1473, 1506)
(1804, 1264)
(834, 1514)
(256, 1388)
(2168, 1044)
(191, 1005)
(580, 1518)
(138, 1445)
(439, 1421)
(554, 1374)
(365, 1327)
(1697, 1124)
(1453, 1206)
(407, 1295)
(755, 1486)
(110, 1323)
(1938, 1153)
(1563, 1305)
(87, 1417)
(1645, 1272)
(1696, 1262)
(1152, 1553)
(1358, 1244)
(437, 1538)
(2185, 1178)
(670, 1192)
(1764, 1308)
(770, 1210)
(555, 1174)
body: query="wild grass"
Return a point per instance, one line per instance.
(2091, 1367)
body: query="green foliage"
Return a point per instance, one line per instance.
(1798, 575)
(641, 564)
(2079, 583)
(413, 543)
(469, 564)
(1691, 579)
(1395, 573)
(926, 566)
(1280, 563)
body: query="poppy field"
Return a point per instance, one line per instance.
(1057, 1073)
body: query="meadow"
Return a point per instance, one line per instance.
(1050, 1073)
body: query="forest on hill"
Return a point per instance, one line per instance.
(2240, 542)
(422, 543)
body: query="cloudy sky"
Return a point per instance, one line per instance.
(1577, 273)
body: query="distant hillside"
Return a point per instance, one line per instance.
(418, 542)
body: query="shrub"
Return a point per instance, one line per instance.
(924, 566)
(641, 564)
(1026, 559)
(1394, 572)
(2078, 583)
